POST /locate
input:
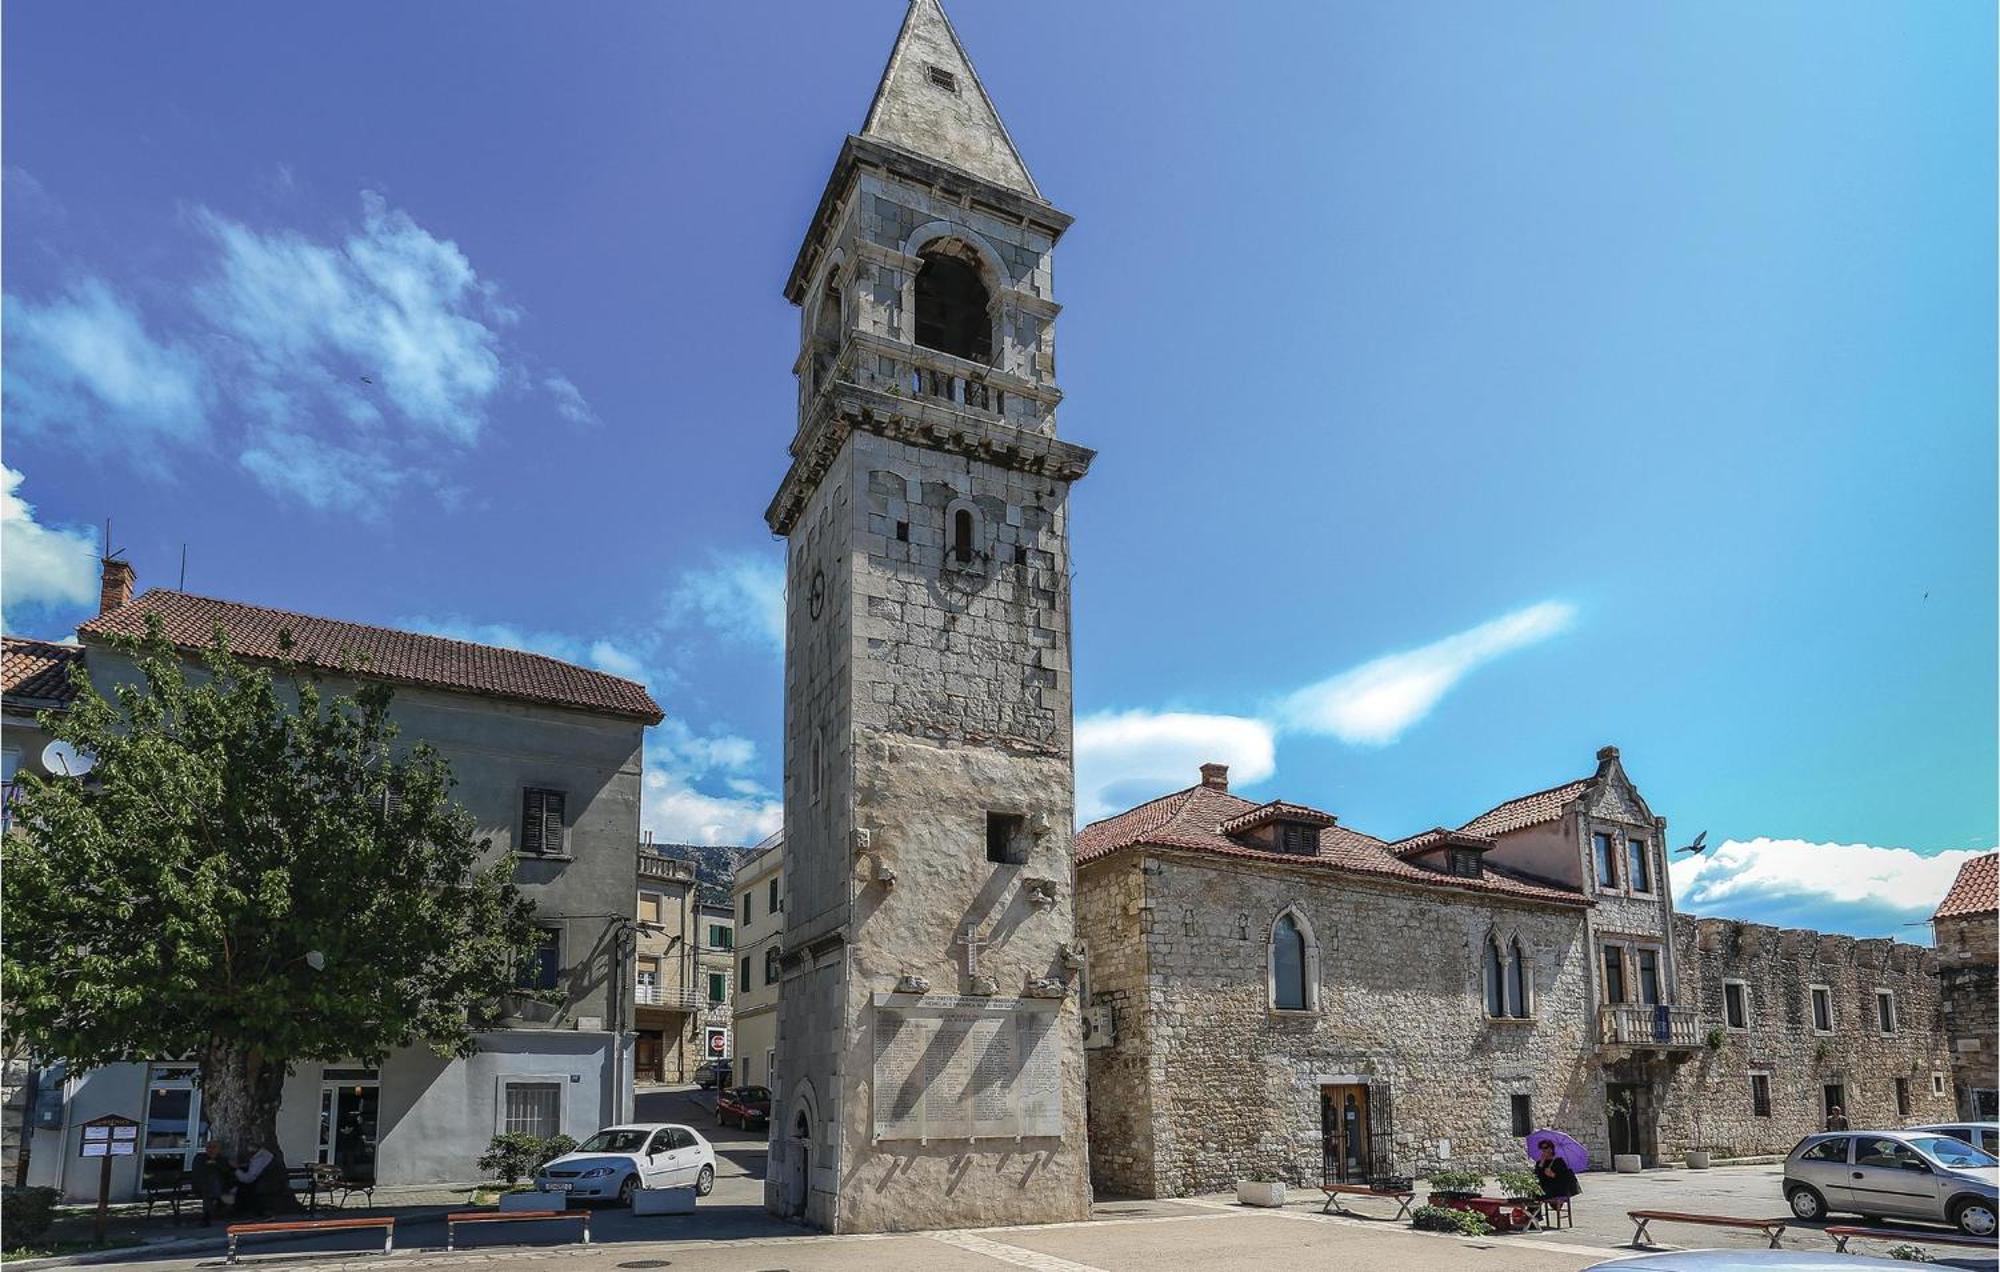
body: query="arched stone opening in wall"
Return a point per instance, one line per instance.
(801, 1116)
(964, 534)
(1291, 963)
(829, 322)
(956, 293)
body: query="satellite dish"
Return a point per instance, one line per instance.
(64, 760)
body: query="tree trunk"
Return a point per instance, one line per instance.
(240, 1089)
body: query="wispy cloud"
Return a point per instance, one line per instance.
(41, 567)
(677, 813)
(1123, 757)
(84, 361)
(1856, 888)
(739, 595)
(335, 369)
(1375, 703)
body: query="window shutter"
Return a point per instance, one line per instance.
(531, 821)
(392, 800)
(553, 821)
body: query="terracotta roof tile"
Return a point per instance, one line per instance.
(1975, 891)
(36, 672)
(1191, 820)
(409, 658)
(1437, 837)
(1528, 810)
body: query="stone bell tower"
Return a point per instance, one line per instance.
(929, 1044)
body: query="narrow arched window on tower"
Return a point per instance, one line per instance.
(962, 536)
(829, 327)
(952, 307)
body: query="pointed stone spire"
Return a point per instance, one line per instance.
(930, 101)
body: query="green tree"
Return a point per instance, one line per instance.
(250, 876)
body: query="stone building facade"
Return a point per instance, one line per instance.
(928, 776)
(667, 1001)
(1799, 1023)
(1270, 989)
(1966, 927)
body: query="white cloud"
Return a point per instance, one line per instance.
(1124, 756)
(569, 400)
(677, 813)
(740, 595)
(336, 369)
(1373, 704)
(85, 359)
(40, 566)
(1858, 888)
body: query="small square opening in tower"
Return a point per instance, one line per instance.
(944, 79)
(1006, 838)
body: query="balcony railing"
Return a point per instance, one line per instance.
(664, 996)
(930, 375)
(1638, 1025)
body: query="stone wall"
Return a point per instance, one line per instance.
(1708, 1100)
(1969, 991)
(1234, 1086)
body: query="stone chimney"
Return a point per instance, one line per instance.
(1215, 776)
(1606, 754)
(114, 586)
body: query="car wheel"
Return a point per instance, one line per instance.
(1974, 1217)
(626, 1189)
(704, 1183)
(1807, 1203)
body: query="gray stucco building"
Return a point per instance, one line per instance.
(547, 758)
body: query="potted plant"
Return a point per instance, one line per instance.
(1261, 1187)
(1449, 1184)
(1519, 1185)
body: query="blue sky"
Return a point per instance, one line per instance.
(1552, 375)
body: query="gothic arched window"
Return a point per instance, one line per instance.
(1288, 964)
(1495, 977)
(961, 536)
(953, 306)
(829, 328)
(1518, 982)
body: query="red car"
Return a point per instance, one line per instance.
(746, 1106)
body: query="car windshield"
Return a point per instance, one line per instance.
(614, 1141)
(755, 1093)
(1946, 1151)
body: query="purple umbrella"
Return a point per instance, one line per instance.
(1568, 1149)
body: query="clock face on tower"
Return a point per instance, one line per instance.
(816, 593)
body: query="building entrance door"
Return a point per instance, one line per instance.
(1832, 1096)
(1343, 1121)
(646, 1049)
(1624, 1109)
(350, 1105)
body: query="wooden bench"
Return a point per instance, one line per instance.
(1334, 1192)
(451, 1221)
(240, 1230)
(1842, 1233)
(1771, 1228)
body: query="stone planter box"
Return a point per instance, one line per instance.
(534, 1201)
(1625, 1163)
(1249, 1192)
(663, 1201)
(1698, 1159)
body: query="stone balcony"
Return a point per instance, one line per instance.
(1638, 1027)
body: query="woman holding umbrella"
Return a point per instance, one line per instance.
(1554, 1174)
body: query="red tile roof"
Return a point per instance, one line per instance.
(1276, 811)
(35, 673)
(1528, 810)
(381, 653)
(1438, 837)
(1192, 820)
(1975, 891)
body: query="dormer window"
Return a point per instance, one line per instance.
(1463, 862)
(1279, 827)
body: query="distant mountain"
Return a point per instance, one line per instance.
(714, 866)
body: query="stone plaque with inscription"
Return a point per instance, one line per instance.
(949, 1067)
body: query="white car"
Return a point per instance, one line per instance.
(620, 1160)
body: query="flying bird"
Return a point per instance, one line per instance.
(366, 380)
(1699, 845)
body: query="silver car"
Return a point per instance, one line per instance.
(1907, 1174)
(1743, 1261)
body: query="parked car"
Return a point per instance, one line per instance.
(1743, 1261)
(620, 1160)
(712, 1073)
(1907, 1174)
(1984, 1135)
(746, 1106)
